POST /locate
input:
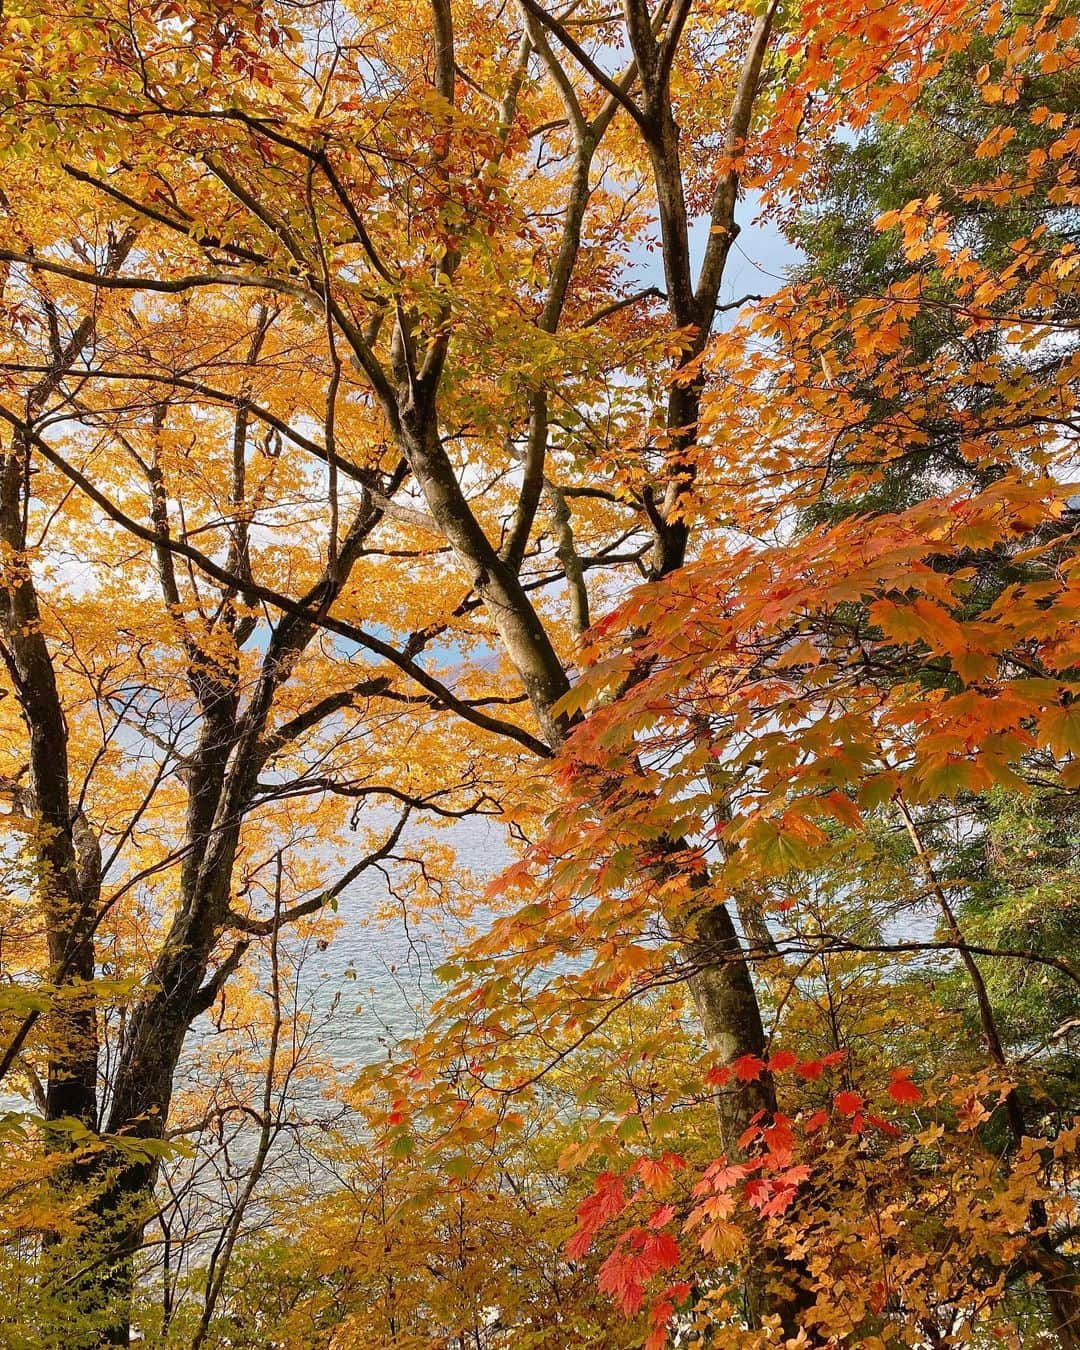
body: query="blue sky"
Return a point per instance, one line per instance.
(757, 263)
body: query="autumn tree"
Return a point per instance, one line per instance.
(376, 267)
(186, 738)
(876, 672)
(335, 415)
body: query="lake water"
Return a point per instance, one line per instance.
(377, 965)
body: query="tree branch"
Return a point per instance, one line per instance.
(584, 60)
(282, 602)
(264, 927)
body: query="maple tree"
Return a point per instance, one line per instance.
(345, 465)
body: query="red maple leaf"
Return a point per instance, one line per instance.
(748, 1068)
(902, 1090)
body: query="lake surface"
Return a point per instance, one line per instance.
(368, 987)
(379, 966)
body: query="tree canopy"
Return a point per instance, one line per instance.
(384, 451)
